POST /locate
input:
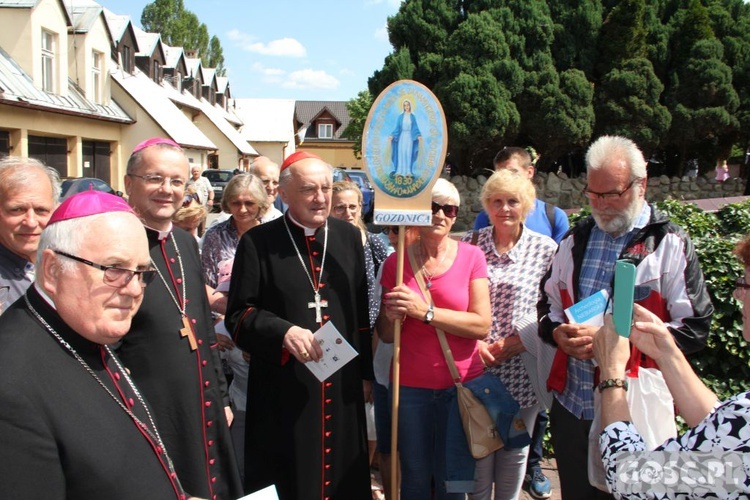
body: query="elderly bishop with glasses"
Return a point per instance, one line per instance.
(669, 283)
(76, 425)
(291, 276)
(171, 349)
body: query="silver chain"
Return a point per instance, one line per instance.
(153, 431)
(302, 261)
(182, 308)
(427, 275)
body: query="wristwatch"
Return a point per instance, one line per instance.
(429, 315)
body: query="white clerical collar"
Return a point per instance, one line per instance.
(308, 230)
(162, 234)
(44, 295)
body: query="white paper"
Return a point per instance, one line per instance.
(589, 311)
(336, 352)
(268, 493)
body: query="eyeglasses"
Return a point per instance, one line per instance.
(114, 276)
(391, 229)
(449, 210)
(592, 195)
(158, 180)
(340, 209)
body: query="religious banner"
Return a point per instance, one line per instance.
(403, 145)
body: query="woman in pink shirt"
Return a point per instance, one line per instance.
(456, 275)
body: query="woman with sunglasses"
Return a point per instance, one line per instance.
(517, 259)
(718, 441)
(456, 276)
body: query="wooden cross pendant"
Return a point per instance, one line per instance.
(187, 331)
(317, 305)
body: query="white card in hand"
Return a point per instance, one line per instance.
(336, 352)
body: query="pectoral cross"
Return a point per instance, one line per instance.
(318, 305)
(187, 331)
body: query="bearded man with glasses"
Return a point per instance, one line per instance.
(669, 283)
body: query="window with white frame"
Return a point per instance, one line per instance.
(157, 71)
(96, 75)
(48, 61)
(325, 131)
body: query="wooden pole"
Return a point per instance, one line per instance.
(396, 368)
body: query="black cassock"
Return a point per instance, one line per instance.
(306, 437)
(62, 435)
(185, 387)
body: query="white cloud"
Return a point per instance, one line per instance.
(310, 79)
(269, 75)
(391, 3)
(284, 47)
(347, 72)
(381, 34)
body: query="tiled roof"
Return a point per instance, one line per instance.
(266, 120)
(152, 98)
(17, 89)
(29, 4)
(306, 112)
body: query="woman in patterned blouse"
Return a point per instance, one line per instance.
(712, 458)
(517, 259)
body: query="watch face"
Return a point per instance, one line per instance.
(428, 317)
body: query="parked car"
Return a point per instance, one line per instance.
(218, 179)
(75, 185)
(368, 193)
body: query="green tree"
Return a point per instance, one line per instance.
(180, 27)
(576, 26)
(358, 109)
(215, 56)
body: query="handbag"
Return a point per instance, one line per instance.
(479, 427)
(651, 409)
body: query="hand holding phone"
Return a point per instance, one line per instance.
(622, 309)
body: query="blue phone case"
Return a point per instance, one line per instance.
(622, 309)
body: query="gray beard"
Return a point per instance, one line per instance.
(621, 221)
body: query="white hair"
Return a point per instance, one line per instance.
(66, 236)
(15, 172)
(609, 147)
(445, 191)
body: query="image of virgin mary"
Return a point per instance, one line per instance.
(405, 141)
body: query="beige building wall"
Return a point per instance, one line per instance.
(48, 16)
(24, 122)
(229, 156)
(15, 36)
(338, 155)
(81, 49)
(275, 151)
(144, 128)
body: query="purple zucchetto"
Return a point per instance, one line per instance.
(89, 203)
(153, 142)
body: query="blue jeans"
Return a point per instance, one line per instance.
(422, 434)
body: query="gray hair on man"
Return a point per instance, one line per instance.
(64, 236)
(608, 147)
(15, 172)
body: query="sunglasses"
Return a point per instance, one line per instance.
(449, 210)
(391, 229)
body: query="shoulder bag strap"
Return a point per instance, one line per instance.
(440, 333)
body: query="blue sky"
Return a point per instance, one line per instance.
(289, 49)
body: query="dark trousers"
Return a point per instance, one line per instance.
(570, 438)
(536, 449)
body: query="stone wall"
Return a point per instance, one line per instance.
(567, 193)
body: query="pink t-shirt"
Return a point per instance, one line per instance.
(422, 361)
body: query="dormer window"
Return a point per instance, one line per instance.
(96, 76)
(127, 59)
(325, 131)
(49, 46)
